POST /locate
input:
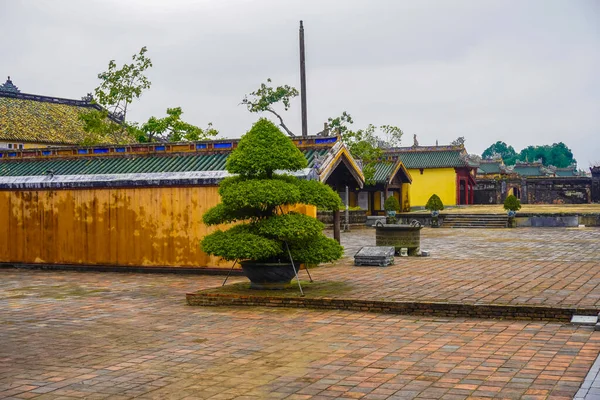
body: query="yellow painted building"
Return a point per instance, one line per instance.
(443, 170)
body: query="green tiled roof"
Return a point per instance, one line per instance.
(489, 168)
(527, 170)
(431, 159)
(126, 164)
(565, 172)
(383, 171)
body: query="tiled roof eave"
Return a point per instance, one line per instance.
(187, 178)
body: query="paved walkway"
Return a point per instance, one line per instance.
(73, 335)
(69, 335)
(543, 244)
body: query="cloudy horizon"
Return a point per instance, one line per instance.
(525, 73)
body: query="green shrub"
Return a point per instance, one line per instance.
(255, 198)
(434, 203)
(391, 204)
(512, 203)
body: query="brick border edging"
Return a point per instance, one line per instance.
(497, 311)
(124, 269)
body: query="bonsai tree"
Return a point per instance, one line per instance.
(258, 196)
(391, 205)
(512, 205)
(435, 205)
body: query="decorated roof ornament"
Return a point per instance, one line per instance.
(415, 141)
(9, 87)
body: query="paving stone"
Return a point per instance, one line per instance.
(118, 336)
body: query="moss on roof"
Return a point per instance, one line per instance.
(38, 119)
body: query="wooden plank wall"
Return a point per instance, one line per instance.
(118, 227)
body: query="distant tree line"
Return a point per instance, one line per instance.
(557, 154)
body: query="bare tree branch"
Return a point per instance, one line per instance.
(285, 128)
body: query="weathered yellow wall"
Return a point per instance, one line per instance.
(441, 181)
(405, 200)
(123, 227)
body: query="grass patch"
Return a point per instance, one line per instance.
(312, 289)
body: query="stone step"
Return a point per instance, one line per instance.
(475, 226)
(475, 221)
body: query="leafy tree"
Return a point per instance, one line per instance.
(558, 155)
(120, 86)
(501, 149)
(391, 204)
(265, 97)
(117, 90)
(511, 203)
(460, 141)
(434, 203)
(365, 144)
(173, 129)
(255, 197)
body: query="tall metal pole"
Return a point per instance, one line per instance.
(303, 83)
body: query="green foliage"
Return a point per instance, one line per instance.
(460, 141)
(501, 149)
(267, 96)
(391, 204)
(318, 250)
(263, 150)
(120, 86)
(238, 243)
(511, 203)
(318, 194)
(434, 203)
(173, 129)
(365, 144)
(558, 154)
(222, 214)
(100, 129)
(264, 194)
(291, 227)
(257, 195)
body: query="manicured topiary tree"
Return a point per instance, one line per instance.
(391, 206)
(512, 205)
(435, 205)
(257, 197)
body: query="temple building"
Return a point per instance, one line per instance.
(447, 171)
(30, 121)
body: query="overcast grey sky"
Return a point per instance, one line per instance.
(525, 72)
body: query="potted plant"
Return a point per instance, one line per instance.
(435, 205)
(512, 205)
(391, 206)
(268, 237)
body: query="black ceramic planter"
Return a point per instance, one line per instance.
(269, 276)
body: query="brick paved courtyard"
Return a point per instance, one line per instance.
(68, 335)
